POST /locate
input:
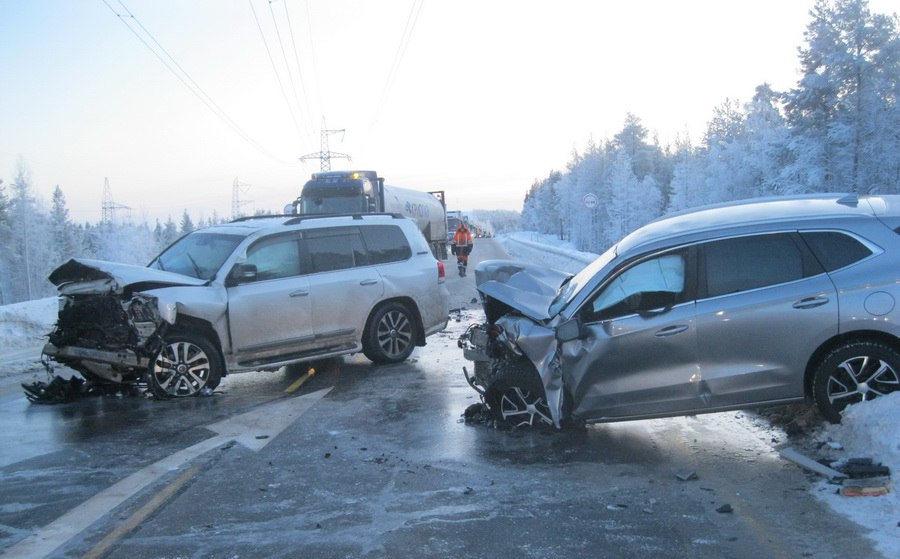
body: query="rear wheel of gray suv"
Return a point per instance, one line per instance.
(185, 364)
(855, 372)
(516, 396)
(391, 334)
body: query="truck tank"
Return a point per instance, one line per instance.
(424, 208)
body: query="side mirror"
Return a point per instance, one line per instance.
(241, 273)
(569, 330)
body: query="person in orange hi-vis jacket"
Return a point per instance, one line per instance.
(461, 246)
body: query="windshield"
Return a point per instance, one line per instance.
(331, 205)
(198, 254)
(567, 291)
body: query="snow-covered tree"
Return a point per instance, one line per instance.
(843, 114)
(65, 234)
(187, 224)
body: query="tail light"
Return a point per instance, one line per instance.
(441, 273)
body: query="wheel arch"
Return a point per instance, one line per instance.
(191, 324)
(843, 339)
(410, 304)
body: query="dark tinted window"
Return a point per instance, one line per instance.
(741, 264)
(334, 249)
(274, 258)
(386, 243)
(835, 250)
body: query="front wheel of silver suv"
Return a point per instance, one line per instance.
(855, 372)
(185, 364)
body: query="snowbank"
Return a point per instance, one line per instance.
(546, 249)
(24, 325)
(869, 430)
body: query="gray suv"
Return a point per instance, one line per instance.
(756, 303)
(253, 294)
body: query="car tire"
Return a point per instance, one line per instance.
(391, 334)
(516, 396)
(184, 365)
(854, 372)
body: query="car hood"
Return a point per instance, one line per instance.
(85, 276)
(526, 288)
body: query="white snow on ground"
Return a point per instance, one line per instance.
(26, 324)
(868, 430)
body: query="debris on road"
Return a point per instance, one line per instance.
(686, 476)
(793, 456)
(57, 391)
(856, 468)
(725, 509)
(865, 490)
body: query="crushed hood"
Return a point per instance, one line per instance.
(525, 287)
(84, 276)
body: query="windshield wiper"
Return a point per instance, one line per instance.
(197, 269)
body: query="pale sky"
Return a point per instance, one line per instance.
(481, 98)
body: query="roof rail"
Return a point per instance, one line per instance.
(301, 218)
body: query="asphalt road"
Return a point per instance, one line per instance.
(365, 461)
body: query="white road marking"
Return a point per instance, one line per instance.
(254, 430)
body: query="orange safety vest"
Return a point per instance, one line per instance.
(462, 237)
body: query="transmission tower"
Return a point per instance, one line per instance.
(109, 208)
(325, 154)
(236, 201)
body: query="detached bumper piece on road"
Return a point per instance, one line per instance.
(57, 391)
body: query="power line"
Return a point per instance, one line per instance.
(411, 21)
(275, 69)
(184, 77)
(287, 65)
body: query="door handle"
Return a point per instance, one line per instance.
(671, 330)
(300, 293)
(369, 281)
(810, 302)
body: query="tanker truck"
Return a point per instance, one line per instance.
(349, 192)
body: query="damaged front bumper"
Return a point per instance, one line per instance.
(514, 338)
(106, 338)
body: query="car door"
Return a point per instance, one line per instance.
(343, 285)
(270, 315)
(765, 306)
(637, 355)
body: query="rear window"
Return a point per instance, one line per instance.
(834, 249)
(745, 263)
(333, 249)
(386, 243)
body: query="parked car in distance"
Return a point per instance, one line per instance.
(253, 294)
(750, 304)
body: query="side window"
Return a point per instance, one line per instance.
(745, 263)
(834, 249)
(274, 258)
(336, 249)
(656, 283)
(386, 243)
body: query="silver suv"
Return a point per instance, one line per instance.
(253, 294)
(758, 303)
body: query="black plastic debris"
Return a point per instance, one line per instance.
(858, 468)
(725, 509)
(57, 391)
(478, 413)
